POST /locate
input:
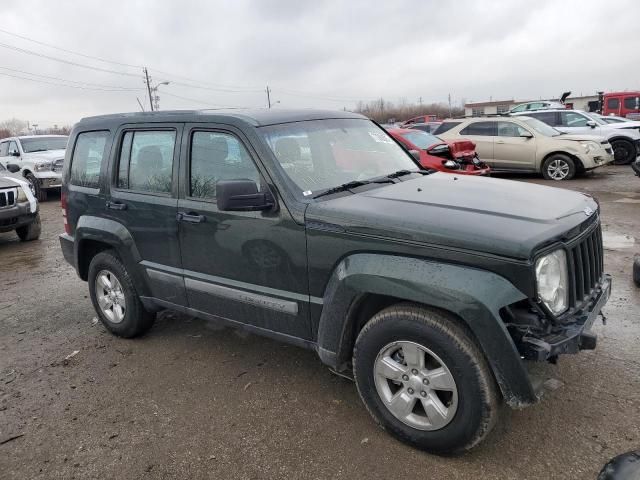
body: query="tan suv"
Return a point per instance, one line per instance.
(526, 144)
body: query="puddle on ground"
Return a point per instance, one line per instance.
(617, 241)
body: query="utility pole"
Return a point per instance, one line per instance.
(148, 82)
(420, 101)
(268, 97)
(450, 111)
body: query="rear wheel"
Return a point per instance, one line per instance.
(424, 379)
(558, 167)
(624, 152)
(31, 231)
(114, 297)
(37, 190)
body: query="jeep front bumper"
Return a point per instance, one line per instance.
(571, 336)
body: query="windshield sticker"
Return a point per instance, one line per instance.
(306, 193)
(380, 137)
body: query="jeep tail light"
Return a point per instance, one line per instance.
(63, 204)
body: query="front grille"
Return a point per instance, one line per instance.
(7, 198)
(57, 165)
(586, 266)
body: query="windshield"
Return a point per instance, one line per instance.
(542, 127)
(321, 154)
(421, 139)
(42, 144)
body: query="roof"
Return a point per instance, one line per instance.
(492, 103)
(256, 117)
(23, 137)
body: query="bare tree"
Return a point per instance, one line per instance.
(14, 126)
(383, 111)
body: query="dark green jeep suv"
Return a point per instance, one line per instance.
(431, 290)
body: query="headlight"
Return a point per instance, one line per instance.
(590, 146)
(552, 281)
(41, 167)
(22, 196)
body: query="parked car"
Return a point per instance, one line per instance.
(524, 144)
(458, 156)
(428, 127)
(432, 290)
(537, 105)
(624, 138)
(419, 120)
(39, 157)
(18, 206)
(623, 104)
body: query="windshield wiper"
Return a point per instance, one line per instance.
(348, 186)
(401, 173)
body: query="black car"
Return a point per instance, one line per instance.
(317, 228)
(18, 206)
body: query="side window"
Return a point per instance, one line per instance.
(4, 149)
(550, 118)
(572, 119)
(510, 129)
(445, 127)
(87, 158)
(613, 103)
(13, 148)
(486, 129)
(146, 161)
(217, 156)
(632, 103)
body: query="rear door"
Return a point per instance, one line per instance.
(483, 134)
(245, 266)
(512, 150)
(144, 199)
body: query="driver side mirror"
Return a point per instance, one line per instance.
(15, 153)
(526, 135)
(591, 124)
(242, 195)
(13, 168)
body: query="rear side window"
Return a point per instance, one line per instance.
(445, 127)
(88, 155)
(550, 118)
(487, 129)
(4, 149)
(613, 103)
(217, 156)
(632, 103)
(146, 161)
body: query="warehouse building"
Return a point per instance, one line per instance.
(495, 107)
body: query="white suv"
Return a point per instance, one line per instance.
(40, 158)
(625, 139)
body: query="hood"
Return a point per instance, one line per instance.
(44, 156)
(634, 125)
(581, 137)
(6, 181)
(487, 215)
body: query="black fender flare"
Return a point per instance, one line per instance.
(473, 295)
(114, 234)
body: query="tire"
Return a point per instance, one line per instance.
(472, 402)
(31, 231)
(636, 271)
(558, 167)
(135, 320)
(39, 192)
(624, 152)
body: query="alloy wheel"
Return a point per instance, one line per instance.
(558, 169)
(110, 296)
(415, 385)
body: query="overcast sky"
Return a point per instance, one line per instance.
(327, 54)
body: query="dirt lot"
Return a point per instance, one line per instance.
(191, 400)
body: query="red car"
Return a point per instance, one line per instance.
(456, 156)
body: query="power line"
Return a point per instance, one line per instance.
(68, 62)
(69, 51)
(114, 87)
(64, 84)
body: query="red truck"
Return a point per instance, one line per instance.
(622, 104)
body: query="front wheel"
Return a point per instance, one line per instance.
(31, 231)
(558, 167)
(114, 297)
(624, 152)
(423, 378)
(36, 188)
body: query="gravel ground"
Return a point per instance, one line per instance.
(192, 400)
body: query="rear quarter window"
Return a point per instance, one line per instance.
(445, 127)
(88, 155)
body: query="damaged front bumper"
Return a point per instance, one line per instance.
(571, 336)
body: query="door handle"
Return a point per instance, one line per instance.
(117, 205)
(190, 217)
(501, 142)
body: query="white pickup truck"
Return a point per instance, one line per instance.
(40, 158)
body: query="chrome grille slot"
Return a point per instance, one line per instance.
(8, 197)
(586, 266)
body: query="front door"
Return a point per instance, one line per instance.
(143, 198)
(513, 148)
(245, 266)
